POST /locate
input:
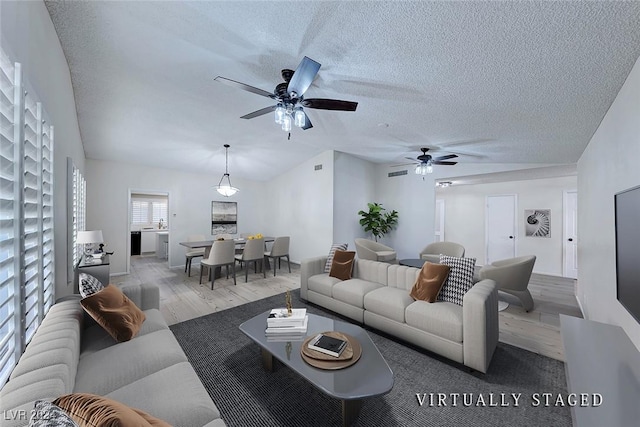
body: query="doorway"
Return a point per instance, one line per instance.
(147, 219)
(570, 235)
(500, 224)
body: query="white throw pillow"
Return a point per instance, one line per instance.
(460, 278)
(89, 285)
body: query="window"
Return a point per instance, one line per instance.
(159, 212)
(26, 215)
(148, 209)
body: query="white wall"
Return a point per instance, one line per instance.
(414, 199)
(608, 165)
(28, 37)
(465, 217)
(353, 187)
(190, 197)
(299, 204)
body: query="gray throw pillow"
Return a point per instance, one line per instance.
(46, 414)
(89, 285)
(460, 278)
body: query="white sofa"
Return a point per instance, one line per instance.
(377, 295)
(71, 353)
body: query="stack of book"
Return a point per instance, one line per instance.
(282, 327)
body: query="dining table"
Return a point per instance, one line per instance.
(240, 241)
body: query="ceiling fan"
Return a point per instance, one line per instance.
(424, 162)
(290, 97)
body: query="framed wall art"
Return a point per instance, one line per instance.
(537, 222)
(224, 218)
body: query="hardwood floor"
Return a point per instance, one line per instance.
(183, 298)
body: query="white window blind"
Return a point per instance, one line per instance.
(26, 216)
(159, 212)
(149, 210)
(139, 212)
(79, 194)
(9, 348)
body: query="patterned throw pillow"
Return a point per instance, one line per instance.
(334, 247)
(89, 285)
(46, 414)
(460, 278)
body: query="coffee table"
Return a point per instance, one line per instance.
(368, 377)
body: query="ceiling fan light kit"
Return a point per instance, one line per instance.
(227, 190)
(289, 109)
(424, 168)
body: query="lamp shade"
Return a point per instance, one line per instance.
(94, 236)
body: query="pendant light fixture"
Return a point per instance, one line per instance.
(227, 189)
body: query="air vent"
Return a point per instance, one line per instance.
(317, 167)
(398, 173)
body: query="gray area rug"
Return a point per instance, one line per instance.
(229, 365)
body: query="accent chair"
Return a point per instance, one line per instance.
(433, 251)
(512, 276)
(368, 249)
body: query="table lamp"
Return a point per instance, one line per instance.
(89, 238)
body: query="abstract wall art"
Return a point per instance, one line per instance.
(537, 222)
(224, 218)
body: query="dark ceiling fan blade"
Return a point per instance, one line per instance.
(307, 122)
(436, 162)
(329, 104)
(303, 76)
(259, 112)
(446, 157)
(244, 86)
(412, 159)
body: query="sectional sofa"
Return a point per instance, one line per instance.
(71, 353)
(377, 295)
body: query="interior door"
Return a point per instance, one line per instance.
(439, 221)
(570, 234)
(500, 227)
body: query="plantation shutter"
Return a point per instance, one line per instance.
(26, 215)
(9, 212)
(159, 212)
(139, 212)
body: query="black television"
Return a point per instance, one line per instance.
(627, 216)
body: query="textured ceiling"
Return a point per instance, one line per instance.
(501, 82)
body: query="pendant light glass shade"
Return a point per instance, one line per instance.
(424, 168)
(280, 113)
(286, 123)
(226, 189)
(299, 117)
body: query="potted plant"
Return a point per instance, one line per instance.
(376, 221)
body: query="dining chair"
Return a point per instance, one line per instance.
(193, 253)
(279, 249)
(222, 253)
(253, 251)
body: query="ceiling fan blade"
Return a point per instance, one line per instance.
(303, 76)
(446, 157)
(405, 164)
(330, 104)
(259, 112)
(246, 87)
(307, 122)
(412, 159)
(436, 162)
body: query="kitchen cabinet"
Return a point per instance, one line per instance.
(148, 243)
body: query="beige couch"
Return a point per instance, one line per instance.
(71, 353)
(378, 296)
